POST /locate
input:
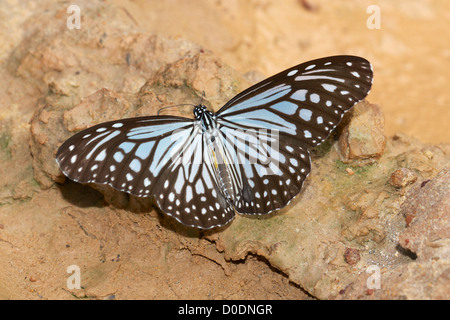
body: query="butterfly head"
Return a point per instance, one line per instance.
(199, 112)
(205, 116)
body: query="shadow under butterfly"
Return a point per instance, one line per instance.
(251, 156)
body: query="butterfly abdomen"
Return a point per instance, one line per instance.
(225, 181)
(219, 164)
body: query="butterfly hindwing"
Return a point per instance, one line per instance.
(189, 189)
(271, 173)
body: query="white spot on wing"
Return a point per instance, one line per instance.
(135, 165)
(199, 188)
(118, 156)
(329, 87)
(300, 95)
(304, 78)
(319, 120)
(143, 151)
(189, 194)
(126, 146)
(285, 107)
(305, 114)
(314, 98)
(307, 134)
(179, 182)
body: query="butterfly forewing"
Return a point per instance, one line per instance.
(306, 101)
(127, 154)
(302, 105)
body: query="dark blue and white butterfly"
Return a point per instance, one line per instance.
(202, 170)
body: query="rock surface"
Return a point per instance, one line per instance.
(363, 139)
(308, 241)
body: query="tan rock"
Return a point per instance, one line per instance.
(363, 139)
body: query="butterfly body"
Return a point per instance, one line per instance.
(252, 156)
(206, 117)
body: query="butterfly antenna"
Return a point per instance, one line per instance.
(176, 105)
(203, 97)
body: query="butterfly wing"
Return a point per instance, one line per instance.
(305, 102)
(189, 189)
(150, 156)
(288, 114)
(268, 175)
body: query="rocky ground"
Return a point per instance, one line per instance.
(371, 222)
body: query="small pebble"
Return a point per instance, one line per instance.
(428, 154)
(424, 183)
(408, 219)
(402, 177)
(352, 256)
(350, 171)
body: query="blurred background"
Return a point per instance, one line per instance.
(410, 51)
(407, 42)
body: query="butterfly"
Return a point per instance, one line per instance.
(251, 156)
